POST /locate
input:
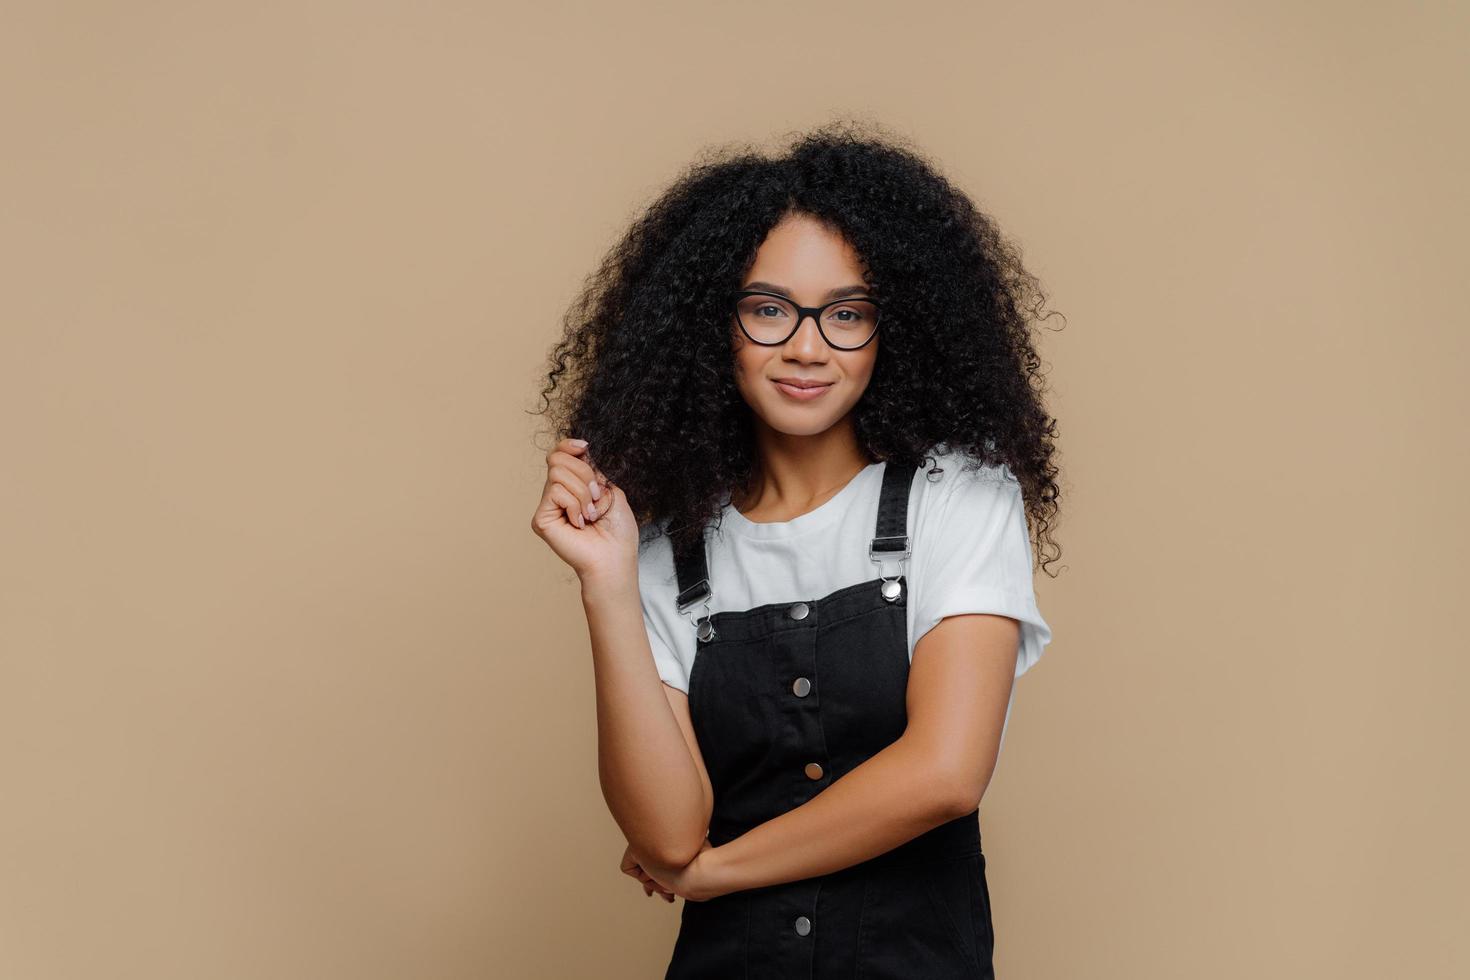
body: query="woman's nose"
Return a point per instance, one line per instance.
(809, 342)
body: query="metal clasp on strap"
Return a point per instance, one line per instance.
(891, 548)
(699, 593)
(699, 590)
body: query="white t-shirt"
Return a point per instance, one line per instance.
(967, 532)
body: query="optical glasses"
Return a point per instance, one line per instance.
(770, 319)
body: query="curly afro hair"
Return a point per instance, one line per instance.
(644, 370)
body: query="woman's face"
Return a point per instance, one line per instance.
(807, 262)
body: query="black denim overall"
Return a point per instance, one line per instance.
(785, 698)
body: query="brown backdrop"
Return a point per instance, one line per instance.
(288, 689)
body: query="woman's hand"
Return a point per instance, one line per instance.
(584, 519)
(696, 881)
(631, 866)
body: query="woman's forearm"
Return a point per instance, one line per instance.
(894, 796)
(648, 776)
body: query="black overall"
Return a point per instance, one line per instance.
(785, 698)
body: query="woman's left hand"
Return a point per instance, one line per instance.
(695, 881)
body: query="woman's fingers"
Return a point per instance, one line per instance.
(601, 489)
(577, 472)
(567, 500)
(572, 455)
(562, 475)
(649, 885)
(606, 503)
(600, 496)
(593, 498)
(651, 891)
(629, 865)
(593, 509)
(575, 458)
(573, 446)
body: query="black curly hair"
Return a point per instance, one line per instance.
(645, 373)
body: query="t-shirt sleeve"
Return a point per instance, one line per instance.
(656, 592)
(978, 557)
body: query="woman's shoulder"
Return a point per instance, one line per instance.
(968, 498)
(961, 471)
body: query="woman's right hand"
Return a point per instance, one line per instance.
(606, 542)
(631, 866)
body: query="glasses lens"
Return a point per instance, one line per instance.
(770, 320)
(766, 319)
(850, 323)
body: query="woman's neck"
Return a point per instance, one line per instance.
(797, 474)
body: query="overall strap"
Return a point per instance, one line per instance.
(692, 569)
(890, 536)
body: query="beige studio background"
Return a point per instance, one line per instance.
(287, 687)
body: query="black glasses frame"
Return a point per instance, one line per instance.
(802, 312)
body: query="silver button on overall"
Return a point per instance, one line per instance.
(813, 770)
(803, 925)
(798, 611)
(801, 687)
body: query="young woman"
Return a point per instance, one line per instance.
(810, 433)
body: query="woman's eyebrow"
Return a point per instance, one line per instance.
(837, 293)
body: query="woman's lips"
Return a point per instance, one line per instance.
(801, 394)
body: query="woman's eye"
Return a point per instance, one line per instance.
(769, 306)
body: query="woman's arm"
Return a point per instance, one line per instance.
(652, 774)
(959, 685)
(649, 764)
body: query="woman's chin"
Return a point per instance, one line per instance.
(798, 423)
